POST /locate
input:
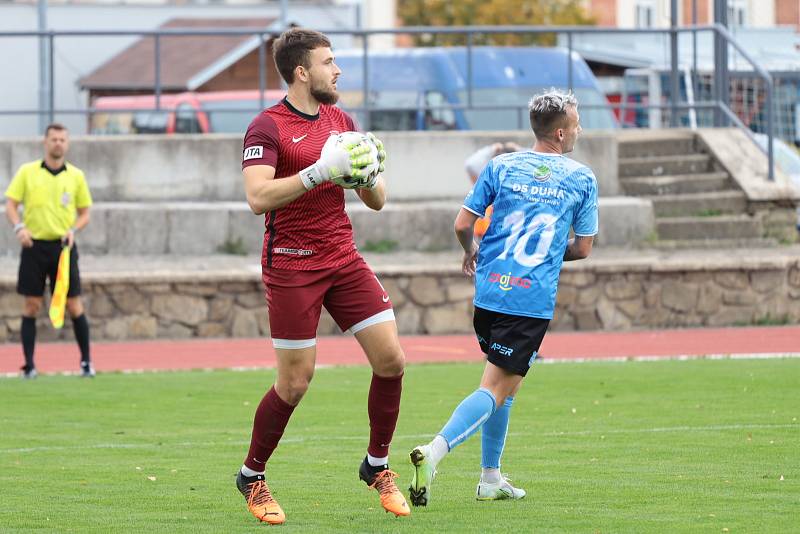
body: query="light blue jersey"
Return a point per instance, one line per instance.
(537, 197)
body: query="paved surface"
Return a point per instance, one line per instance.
(192, 354)
(344, 350)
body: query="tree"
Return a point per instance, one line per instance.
(491, 13)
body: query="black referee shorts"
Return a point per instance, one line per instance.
(510, 342)
(40, 262)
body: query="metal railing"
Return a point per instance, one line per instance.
(718, 104)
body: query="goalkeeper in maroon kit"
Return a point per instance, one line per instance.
(296, 162)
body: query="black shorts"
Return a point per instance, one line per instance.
(509, 341)
(40, 262)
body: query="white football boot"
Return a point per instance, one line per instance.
(495, 491)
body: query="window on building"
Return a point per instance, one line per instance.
(737, 13)
(645, 14)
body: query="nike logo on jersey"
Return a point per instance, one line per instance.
(298, 139)
(385, 298)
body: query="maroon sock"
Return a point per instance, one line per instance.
(270, 420)
(383, 407)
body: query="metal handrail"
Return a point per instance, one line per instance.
(469, 31)
(770, 107)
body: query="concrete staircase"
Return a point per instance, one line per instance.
(696, 203)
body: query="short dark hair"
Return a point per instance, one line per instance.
(57, 126)
(294, 48)
(548, 111)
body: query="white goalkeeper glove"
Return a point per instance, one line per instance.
(371, 181)
(342, 155)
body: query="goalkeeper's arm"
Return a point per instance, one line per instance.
(374, 198)
(373, 192)
(264, 193)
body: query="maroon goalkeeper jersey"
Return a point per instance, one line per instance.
(313, 231)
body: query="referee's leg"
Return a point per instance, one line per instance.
(80, 325)
(30, 284)
(30, 309)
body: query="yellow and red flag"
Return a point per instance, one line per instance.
(58, 303)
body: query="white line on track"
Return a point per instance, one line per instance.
(541, 360)
(239, 443)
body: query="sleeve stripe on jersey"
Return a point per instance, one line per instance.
(473, 211)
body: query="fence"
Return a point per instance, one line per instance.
(717, 103)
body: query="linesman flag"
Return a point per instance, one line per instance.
(58, 303)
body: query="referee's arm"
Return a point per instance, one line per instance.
(80, 223)
(22, 233)
(83, 218)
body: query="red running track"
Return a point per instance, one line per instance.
(344, 350)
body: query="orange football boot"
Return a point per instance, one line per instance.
(392, 499)
(259, 499)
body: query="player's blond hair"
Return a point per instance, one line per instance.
(548, 110)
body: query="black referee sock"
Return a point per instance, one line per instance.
(28, 334)
(81, 327)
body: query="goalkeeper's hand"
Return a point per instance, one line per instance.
(381, 151)
(348, 158)
(371, 181)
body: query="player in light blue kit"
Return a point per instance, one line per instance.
(538, 195)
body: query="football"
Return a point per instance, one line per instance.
(350, 138)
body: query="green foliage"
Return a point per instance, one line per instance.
(233, 246)
(651, 238)
(770, 320)
(708, 213)
(672, 446)
(381, 247)
(491, 13)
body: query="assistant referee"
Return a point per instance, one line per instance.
(55, 200)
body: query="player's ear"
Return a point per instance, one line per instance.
(301, 73)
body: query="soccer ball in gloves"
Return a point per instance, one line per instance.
(370, 171)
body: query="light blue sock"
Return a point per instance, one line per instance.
(468, 417)
(493, 435)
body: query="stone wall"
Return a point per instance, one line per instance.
(600, 295)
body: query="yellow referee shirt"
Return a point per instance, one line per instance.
(50, 200)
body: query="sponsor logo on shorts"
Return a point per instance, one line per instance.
(508, 282)
(501, 349)
(253, 152)
(530, 362)
(385, 298)
(293, 251)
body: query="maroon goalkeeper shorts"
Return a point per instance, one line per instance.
(351, 293)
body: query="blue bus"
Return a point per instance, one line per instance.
(426, 88)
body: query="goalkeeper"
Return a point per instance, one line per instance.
(296, 162)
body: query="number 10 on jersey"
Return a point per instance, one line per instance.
(542, 223)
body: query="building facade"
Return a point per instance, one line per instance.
(656, 13)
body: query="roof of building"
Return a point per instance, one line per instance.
(186, 62)
(774, 49)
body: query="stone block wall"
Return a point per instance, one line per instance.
(433, 300)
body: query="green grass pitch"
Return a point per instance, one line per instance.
(669, 446)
